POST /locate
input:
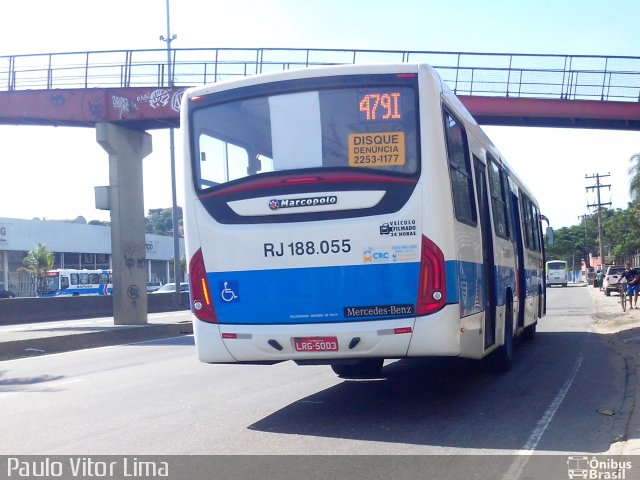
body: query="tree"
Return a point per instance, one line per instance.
(622, 232)
(574, 243)
(634, 181)
(181, 270)
(37, 262)
(160, 221)
(100, 223)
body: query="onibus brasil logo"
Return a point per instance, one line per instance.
(597, 468)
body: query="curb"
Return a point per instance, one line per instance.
(80, 341)
(629, 443)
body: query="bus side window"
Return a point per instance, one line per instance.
(529, 215)
(84, 279)
(499, 195)
(464, 204)
(93, 278)
(64, 283)
(74, 279)
(534, 222)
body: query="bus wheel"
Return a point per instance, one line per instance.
(540, 303)
(368, 367)
(502, 358)
(529, 332)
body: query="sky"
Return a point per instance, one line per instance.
(50, 172)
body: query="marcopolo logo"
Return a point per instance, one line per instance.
(276, 204)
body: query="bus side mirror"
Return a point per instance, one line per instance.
(549, 234)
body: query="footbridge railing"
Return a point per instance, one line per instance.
(584, 77)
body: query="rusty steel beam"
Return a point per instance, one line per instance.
(142, 108)
(542, 112)
(148, 108)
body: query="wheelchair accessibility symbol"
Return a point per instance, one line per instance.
(229, 291)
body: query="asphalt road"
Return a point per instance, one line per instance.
(563, 396)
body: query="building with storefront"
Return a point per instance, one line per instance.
(75, 244)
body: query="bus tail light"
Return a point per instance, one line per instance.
(432, 287)
(201, 304)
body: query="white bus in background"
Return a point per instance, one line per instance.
(350, 214)
(72, 282)
(556, 271)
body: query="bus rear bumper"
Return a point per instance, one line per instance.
(275, 343)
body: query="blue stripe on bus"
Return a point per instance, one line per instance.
(345, 293)
(102, 290)
(313, 295)
(465, 285)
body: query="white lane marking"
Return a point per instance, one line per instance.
(522, 456)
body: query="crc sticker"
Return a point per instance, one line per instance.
(393, 254)
(375, 255)
(376, 149)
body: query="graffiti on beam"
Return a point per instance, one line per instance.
(176, 101)
(160, 98)
(57, 100)
(96, 110)
(150, 103)
(123, 104)
(157, 99)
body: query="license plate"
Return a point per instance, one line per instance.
(316, 344)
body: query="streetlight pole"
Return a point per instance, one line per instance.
(586, 248)
(174, 203)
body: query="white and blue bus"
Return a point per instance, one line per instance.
(71, 282)
(349, 214)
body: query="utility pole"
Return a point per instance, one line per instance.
(599, 206)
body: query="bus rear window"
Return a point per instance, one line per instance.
(556, 265)
(360, 127)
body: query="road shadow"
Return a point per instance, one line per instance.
(459, 403)
(177, 341)
(31, 384)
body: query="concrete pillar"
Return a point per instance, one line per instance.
(126, 149)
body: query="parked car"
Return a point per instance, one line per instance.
(171, 287)
(6, 293)
(153, 286)
(612, 279)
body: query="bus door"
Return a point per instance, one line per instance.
(488, 265)
(520, 270)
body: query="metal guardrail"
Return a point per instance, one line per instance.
(582, 77)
